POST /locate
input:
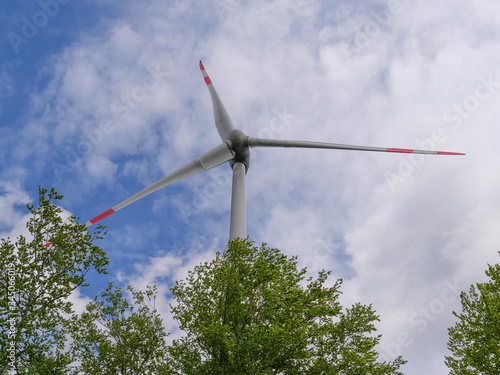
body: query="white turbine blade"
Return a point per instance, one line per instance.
(262, 142)
(211, 159)
(222, 120)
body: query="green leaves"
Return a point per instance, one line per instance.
(34, 294)
(475, 339)
(113, 336)
(250, 311)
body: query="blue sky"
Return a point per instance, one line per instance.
(100, 100)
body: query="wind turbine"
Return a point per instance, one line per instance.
(235, 149)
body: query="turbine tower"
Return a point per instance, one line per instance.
(235, 149)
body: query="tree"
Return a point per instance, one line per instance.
(115, 337)
(35, 282)
(249, 312)
(475, 339)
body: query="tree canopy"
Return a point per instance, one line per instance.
(250, 311)
(35, 282)
(115, 336)
(474, 341)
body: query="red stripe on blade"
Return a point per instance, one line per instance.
(201, 66)
(403, 150)
(102, 216)
(207, 80)
(449, 153)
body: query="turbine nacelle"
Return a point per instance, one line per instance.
(239, 145)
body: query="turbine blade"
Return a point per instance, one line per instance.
(211, 159)
(222, 120)
(263, 142)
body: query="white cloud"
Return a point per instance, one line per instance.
(12, 198)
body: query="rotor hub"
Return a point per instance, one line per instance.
(239, 145)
